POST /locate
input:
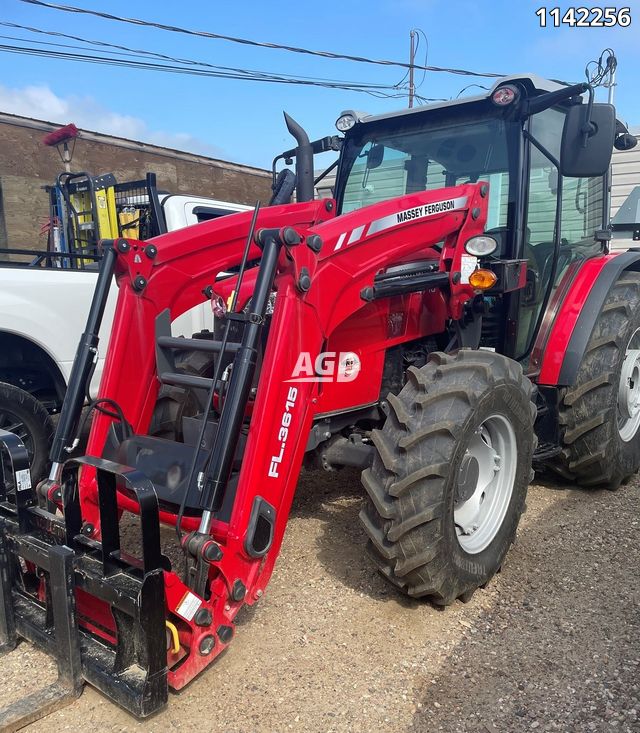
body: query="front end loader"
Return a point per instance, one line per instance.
(453, 307)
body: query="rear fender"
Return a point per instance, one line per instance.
(564, 336)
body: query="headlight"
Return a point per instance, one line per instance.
(346, 121)
(481, 246)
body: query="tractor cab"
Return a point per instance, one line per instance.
(543, 149)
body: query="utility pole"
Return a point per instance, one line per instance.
(412, 58)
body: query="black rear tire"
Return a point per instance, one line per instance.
(175, 403)
(593, 451)
(22, 414)
(413, 483)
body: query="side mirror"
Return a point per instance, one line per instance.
(625, 141)
(375, 156)
(587, 140)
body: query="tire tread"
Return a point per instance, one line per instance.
(406, 483)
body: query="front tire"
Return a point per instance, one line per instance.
(599, 415)
(450, 473)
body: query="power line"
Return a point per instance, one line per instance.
(426, 54)
(154, 54)
(429, 100)
(375, 90)
(249, 42)
(598, 70)
(470, 86)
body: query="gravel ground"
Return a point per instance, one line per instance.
(551, 644)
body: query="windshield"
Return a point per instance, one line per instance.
(382, 164)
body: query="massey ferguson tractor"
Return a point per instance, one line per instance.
(449, 319)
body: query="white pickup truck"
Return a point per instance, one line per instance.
(43, 311)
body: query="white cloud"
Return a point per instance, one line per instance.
(40, 102)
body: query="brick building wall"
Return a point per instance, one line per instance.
(26, 165)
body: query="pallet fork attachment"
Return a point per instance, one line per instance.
(124, 654)
(61, 602)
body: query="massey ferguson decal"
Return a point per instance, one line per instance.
(283, 432)
(417, 212)
(401, 217)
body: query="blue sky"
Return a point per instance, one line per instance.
(242, 121)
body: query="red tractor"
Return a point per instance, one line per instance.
(453, 307)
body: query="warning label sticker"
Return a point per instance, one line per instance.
(188, 606)
(468, 264)
(23, 479)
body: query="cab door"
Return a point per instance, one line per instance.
(582, 214)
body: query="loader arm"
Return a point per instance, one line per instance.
(331, 274)
(308, 313)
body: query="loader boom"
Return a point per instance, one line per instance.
(324, 287)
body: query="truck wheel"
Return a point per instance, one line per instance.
(450, 473)
(22, 414)
(599, 415)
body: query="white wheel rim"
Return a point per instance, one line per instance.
(629, 390)
(478, 517)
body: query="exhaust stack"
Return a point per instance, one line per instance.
(304, 161)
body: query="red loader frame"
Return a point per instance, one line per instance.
(329, 299)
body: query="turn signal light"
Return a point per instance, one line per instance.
(482, 279)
